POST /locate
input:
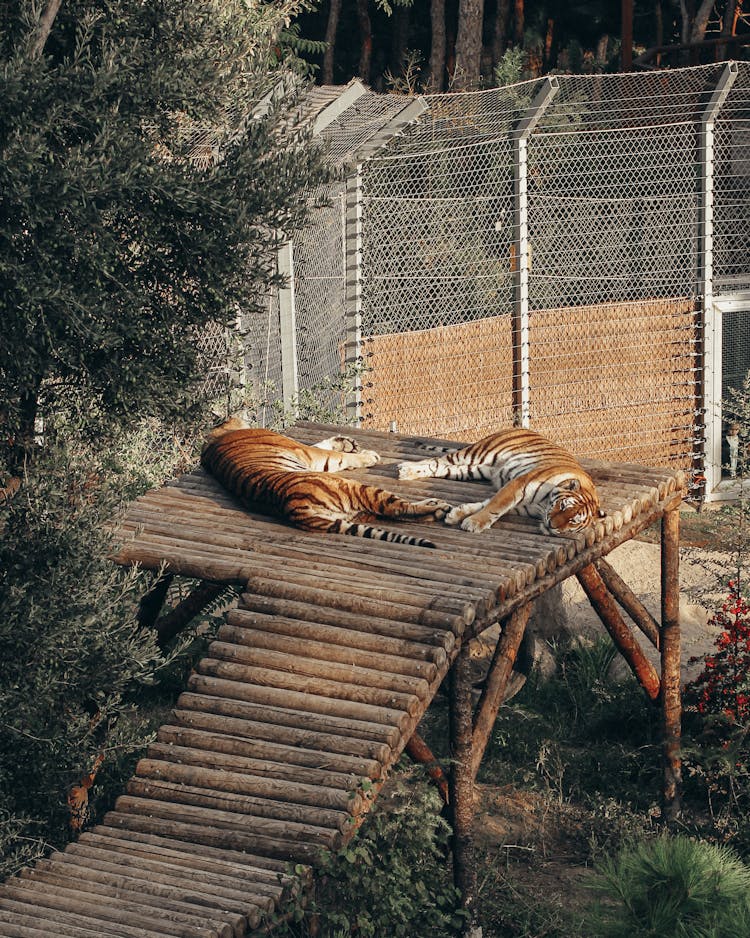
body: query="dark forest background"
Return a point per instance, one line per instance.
(436, 45)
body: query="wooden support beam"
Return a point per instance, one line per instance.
(629, 601)
(462, 781)
(171, 624)
(496, 684)
(670, 699)
(151, 604)
(607, 610)
(420, 752)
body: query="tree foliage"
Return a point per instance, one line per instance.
(121, 234)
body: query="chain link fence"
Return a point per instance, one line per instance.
(547, 254)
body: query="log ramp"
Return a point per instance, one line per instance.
(317, 682)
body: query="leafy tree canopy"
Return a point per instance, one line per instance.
(117, 245)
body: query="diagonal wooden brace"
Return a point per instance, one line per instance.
(606, 609)
(420, 752)
(629, 601)
(496, 684)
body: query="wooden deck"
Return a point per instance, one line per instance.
(316, 682)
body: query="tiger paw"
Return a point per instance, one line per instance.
(476, 523)
(339, 444)
(413, 470)
(367, 457)
(433, 506)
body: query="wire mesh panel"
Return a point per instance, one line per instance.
(320, 298)
(539, 253)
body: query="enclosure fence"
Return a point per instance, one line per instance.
(548, 254)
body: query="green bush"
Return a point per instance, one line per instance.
(673, 887)
(74, 662)
(393, 879)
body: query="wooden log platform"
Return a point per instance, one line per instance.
(317, 682)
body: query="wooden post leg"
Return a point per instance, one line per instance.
(606, 609)
(462, 785)
(420, 752)
(497, 681)
(671, 704)
(151, 604)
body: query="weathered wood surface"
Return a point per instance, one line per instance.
(314, 686)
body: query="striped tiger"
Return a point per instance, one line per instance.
(276, 475)
(532, 475)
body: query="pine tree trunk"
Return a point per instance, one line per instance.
(438, 50)
(326, 75)
(468, 44)
(500, 31)
(365, 35)
(518, 25)
(400, 44)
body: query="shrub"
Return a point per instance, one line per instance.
(74, 662)
(394, 878)
(673, 887)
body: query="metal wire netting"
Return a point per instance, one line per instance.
(547, 252)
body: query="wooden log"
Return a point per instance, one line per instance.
(260, 768)
(335, 734)
(355, 695)
(51, 921)
(153, 883)
(198, 834)
(606, 609)
(261, 828)
(182, 562)
(15, 924)
(669, 691)
(420, 752)
(496, 684)
(153, 600)
(400, 652)
(303, 665)
(442, 638)
(313, 817)
(205, 887)
(391, 720)
(229, 776)
(629, 601)
(327, 745)
(172, 623)
(215, 865)
(341, 653)
(222, 741)
(462, 782)
(160, 900)
(121, 913)
(441, 614)
(242, 864)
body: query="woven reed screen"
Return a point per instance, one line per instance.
(613, 380)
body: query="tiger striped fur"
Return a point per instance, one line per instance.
(274, 474)
(531, 474)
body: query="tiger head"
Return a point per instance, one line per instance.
(573, 507)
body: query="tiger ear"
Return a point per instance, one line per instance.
(602, 513)
(571, 485)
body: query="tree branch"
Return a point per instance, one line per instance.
(45, 26)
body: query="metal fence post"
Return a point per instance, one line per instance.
(521, 267)
(288, 328)
(353, 273)
(712, 383)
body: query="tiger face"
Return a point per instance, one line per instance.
(572, 508)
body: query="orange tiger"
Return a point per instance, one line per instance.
(532, 475)
(274, 474)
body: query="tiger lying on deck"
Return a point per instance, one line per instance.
(532, 475)
(273, 474)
